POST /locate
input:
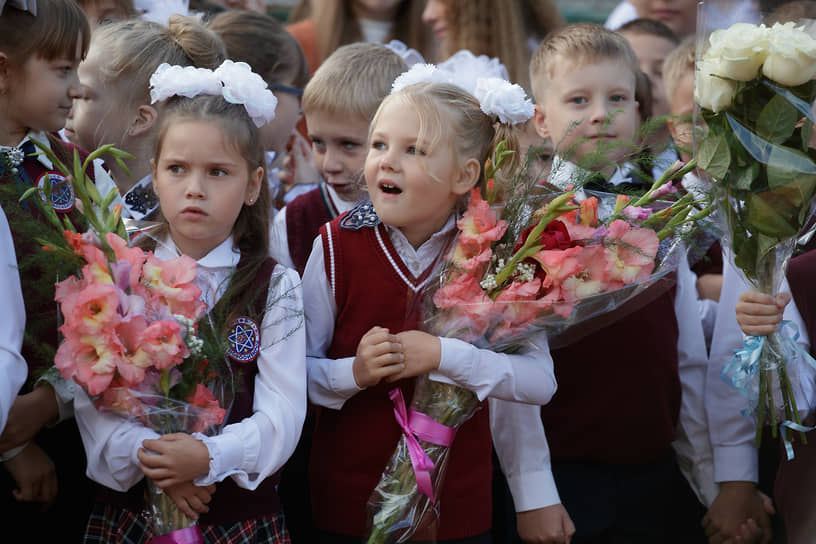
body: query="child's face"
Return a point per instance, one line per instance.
(40, 93)
(202, 182)
(96, 117)
(682, 106)
(339, 147)
(413, 186)
(276, 133)
(679, 15)
(651, 51)
(435, 15)
(589, 108)
(103, 11)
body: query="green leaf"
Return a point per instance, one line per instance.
(777, 120)
(713, 155)
(807, 133)
(769, 214)
(743, 178)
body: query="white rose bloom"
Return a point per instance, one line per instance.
(791, 57)
(740, 50)
(712, 92)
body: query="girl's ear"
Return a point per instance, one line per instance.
(145, 119)
(254, 186)
(468, 177)
(540, 122)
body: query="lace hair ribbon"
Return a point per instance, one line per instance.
(483, 77)
(23, 5)
(235, 81)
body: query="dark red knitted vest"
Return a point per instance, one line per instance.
(618, 395)
(230, 503)
(351, 446)
(801, 271)
(304, 217)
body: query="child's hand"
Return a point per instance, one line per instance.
(422, 354)
(35, 475)
(759, 314)
(190, 498)
(28, 414)
(737, 504)
(298, 165)
(379, 355)
(549, 525)
(174, 459)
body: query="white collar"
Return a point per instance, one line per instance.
(225, 255)
(41, 137)
(565, 173)
(341, 205)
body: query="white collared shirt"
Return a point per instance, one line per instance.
(13, 367)
(251, 449)
(524, 377)
(278, 237)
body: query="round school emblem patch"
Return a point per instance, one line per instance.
(62, 192)
(243, 340)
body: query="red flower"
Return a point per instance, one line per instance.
(554, 236)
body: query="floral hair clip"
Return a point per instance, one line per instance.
(23, 5)
(235, 81)
(483, 77)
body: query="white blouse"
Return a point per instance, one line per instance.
(251, 449)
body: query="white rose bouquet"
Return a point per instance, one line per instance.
(755, 88)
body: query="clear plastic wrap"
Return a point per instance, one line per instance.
(754, 89)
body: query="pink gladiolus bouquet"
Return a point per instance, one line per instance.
(519, 268)
(131, 335)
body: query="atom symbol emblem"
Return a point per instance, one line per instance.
(243, 340)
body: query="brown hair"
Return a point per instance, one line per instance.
(135, 48)
(263, 43)
(250, 234)
(335, 25)
(448, 111)
(791, 11)
(678, 64)
(578, 43)
(502, 31)
(353, 80)
(58, 29)
(649, 27)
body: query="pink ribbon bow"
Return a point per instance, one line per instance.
(188, 535)
(416, 425)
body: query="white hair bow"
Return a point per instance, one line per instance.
(235, 81)
(23, 5)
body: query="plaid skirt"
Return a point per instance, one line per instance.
(114, 525)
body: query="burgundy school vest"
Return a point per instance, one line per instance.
(304, 217)
(37, 274)
(351, 446)
(230, 503)
(801, 272)
(618, 395)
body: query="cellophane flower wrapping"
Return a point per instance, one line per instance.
(521, 266)
(132, 331)
(754, 89)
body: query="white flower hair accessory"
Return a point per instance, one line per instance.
(497, 96)
(410, 56)
(235, 81)
(160, 11)
(465, 69)
(503, 99)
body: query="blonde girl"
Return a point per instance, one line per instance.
(427, 145)
(115, 108)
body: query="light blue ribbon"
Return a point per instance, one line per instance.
(744, 366)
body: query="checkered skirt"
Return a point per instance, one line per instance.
(114, 525)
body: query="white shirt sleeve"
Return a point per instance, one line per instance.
(13, 367)
(693, 447)
(731, 433)
(256, 447)
(279, 241)
(331, 381)
(521, 446)
(527, 377)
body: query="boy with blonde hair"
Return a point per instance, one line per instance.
(606, 461)
(338, 103)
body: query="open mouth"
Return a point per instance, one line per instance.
(389, 189)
